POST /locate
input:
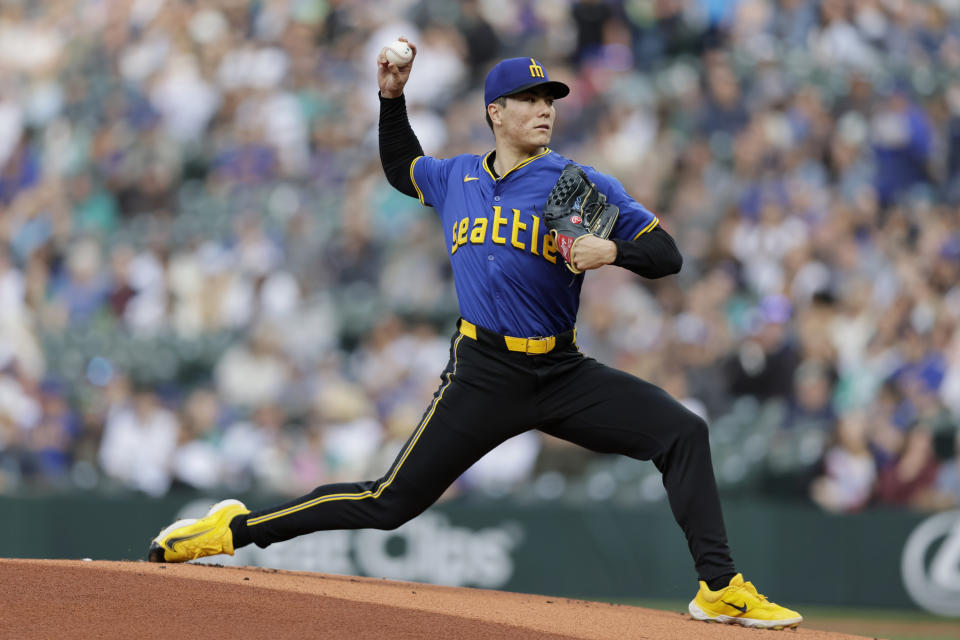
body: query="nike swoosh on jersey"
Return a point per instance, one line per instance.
(468, 178)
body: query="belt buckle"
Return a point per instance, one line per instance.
(526, 345)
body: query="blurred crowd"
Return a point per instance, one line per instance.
(206, 282)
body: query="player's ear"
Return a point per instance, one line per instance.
(493, 111)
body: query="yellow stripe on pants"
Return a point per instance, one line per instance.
(369, 494)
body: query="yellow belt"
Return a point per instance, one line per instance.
(530, 346)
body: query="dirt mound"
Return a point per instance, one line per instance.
(84, 600)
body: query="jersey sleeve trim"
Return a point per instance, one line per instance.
(649, 227)
(414, 180)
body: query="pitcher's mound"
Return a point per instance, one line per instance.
(83, 600)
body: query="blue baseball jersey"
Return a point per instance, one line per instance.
(508, 273)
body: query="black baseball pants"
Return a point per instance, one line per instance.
(489, 394)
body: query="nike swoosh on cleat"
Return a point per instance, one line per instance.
(741, 608)
(469, 178)
(171, 543)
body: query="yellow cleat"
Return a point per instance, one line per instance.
(191, 539)
(739, 603)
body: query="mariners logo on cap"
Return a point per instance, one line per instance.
(536, 71)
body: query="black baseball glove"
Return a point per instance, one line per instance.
(574, 209)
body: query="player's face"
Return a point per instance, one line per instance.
(528, 119)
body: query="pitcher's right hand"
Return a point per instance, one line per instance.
(392, 78)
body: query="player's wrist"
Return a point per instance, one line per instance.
(610, 251)
(387, 94)
(617, 254)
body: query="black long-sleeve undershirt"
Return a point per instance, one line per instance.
(652, 255)
(398, 144)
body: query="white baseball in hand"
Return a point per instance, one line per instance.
(398, 52)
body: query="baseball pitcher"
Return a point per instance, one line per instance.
(522, 225)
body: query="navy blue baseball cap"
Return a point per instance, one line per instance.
(514, 75)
